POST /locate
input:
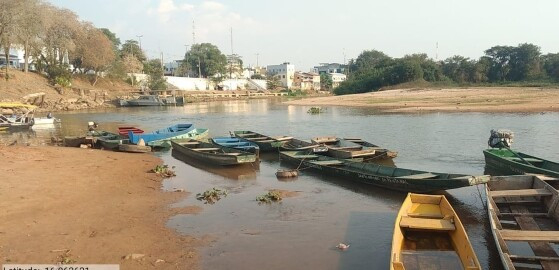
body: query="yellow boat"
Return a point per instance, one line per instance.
(429, 235)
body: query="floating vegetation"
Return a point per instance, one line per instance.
(315, 110)
(271, 196)
(163, 170)
(211, 196)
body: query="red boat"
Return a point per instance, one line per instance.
(123, 131)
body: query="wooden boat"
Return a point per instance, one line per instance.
(429, 235)
(149, 100)
(123, 131)
(300, 145)
(74, 141)
(161, 134)
(382, 152)
(512, 162)
(211, 153)
(132, 148)
(341, 148)
(266, 143)
(523, 208)
(195, 134)
(237, 143)
(108, 140)
(380, 175)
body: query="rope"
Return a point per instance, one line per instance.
(480, 197)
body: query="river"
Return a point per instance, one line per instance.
(301, 232)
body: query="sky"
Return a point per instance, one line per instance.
(306, 33)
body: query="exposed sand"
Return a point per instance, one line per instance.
(99, 205)
(482, 99)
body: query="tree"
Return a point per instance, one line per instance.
(131, 47)
(257, 77)
(10, 18)
(325, 82)
(272, 82)
(206, 60)
(30, 25)
(370, 59)
(112, 37)
(525, 62)
(154, 70)
(499, 57)
(551, 65)
(95, 51)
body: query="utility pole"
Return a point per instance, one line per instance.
(140, 41)
(193, 33)
(437, 52)
(257, 54)
(186, 61)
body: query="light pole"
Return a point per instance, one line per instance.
(140, 41)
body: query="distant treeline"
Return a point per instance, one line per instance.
(500, 65)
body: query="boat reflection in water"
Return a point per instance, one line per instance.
(240, 172)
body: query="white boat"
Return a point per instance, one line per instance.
(46, 120)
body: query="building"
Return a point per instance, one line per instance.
(170, 69)
(306, 81)
(337, 78)
(285, 72)
(330, 68)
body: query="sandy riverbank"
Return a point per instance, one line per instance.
(88, 206)
(482, 99)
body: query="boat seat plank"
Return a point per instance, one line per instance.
(206, 149)
(266, 141)
(245, 134)
(232, 154)
(520, 193)
(533, 258)
(531, 160)
(427, 224)
(419, 176)
(425, 215)
(328, 162)
(189, 143)
(258, 138)
(530, 236)
(306, 156)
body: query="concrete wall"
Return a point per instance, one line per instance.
(200, 84)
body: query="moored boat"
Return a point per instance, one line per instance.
(195, 134)
(237, 143)
(343, 148)
(523, 208)
(20, 117)
(211, 153)
(161, 134)
(108, 140)
(511, 162)
(132, 148)
(300, 145)
(429, 235)
(379, 175)
(381, 152)
(266, 143)
(123, 131)
(148, 100)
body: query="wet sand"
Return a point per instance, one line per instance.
(89, 206)
(479, 99)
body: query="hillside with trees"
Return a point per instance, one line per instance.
(501, 65)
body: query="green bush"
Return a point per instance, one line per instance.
(60, 75)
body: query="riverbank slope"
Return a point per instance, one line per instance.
(478, 99)
(88, 206)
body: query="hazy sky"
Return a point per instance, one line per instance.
(306, 33)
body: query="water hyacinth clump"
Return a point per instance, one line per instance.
(163, 170)
(271, 196)
(211, 196)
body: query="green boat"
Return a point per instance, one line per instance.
(107, 140)
(379, 175)
(266, 143)
(212, 154)
(513, 162)
(195, 134)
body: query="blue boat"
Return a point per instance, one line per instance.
(161, 134)
(237, 143)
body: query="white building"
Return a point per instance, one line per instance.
(285, 72)
(329, 68)
(170, 69)
(337, 78)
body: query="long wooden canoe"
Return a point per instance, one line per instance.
(194, 134)
(530, 203)
(353, 148)
(160, 134)
(380, 175)
(237, 143)
(107, 140)
(510, 162)
(429, 235)
(299, 145)
(211, 153)
(266, 143)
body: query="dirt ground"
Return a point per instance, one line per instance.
(481, 99)
(89, 206)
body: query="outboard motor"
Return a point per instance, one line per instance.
(501, 138)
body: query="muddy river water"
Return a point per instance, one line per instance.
(302, 231)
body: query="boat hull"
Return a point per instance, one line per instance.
(237, 143)
(496, 159)
(370, 173)
(194, 134)
(220, 156)
(161, 134)
(265, 143)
